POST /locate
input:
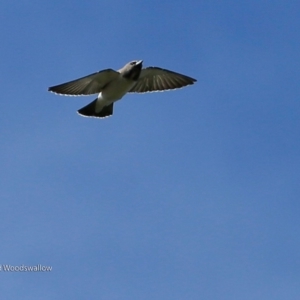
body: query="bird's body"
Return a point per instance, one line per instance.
(112, 85)
(116, 89)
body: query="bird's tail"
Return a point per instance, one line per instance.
(90, 110)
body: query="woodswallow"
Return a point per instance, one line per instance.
(111, 86)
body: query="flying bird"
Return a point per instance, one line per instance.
(111, 86)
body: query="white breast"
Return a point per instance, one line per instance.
(113, 92)
(117, 89)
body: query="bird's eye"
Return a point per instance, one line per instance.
(132, 63)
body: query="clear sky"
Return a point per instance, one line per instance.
(188, 194)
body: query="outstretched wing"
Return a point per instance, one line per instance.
(88, 85)
(155, 79)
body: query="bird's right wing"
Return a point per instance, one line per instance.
(154, 79)
(88, 85)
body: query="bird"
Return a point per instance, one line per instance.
(111, 86)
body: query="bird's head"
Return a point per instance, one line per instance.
(132, 70)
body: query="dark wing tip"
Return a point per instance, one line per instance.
(55, 89)
(190, 80)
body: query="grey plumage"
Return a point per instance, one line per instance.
(113, 85)
(87, 85)
(153, 79)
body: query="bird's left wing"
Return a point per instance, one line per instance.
(88, 85)
(155, 79)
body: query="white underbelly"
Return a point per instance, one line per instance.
(113, 92)
(117, 89)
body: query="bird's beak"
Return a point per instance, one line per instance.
(139, 62)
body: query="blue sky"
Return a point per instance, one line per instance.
(189, 194)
